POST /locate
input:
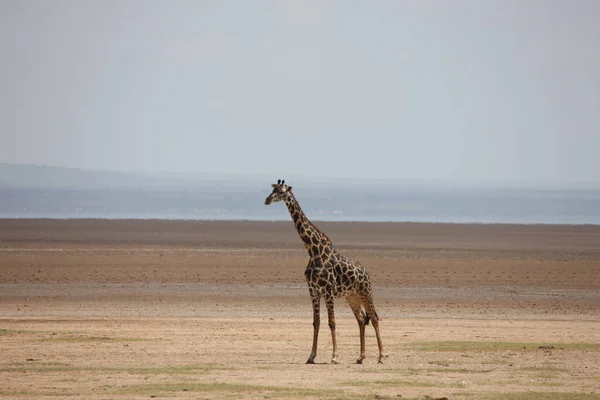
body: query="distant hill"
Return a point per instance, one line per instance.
(40, 191)
(51, 177)
(44, 176)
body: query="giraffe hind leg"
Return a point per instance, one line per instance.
(355, 304)
(367, 301)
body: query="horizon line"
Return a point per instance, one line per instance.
(346, 179)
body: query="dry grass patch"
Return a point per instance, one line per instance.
(465, 346)
(376, 370)
(546, 369)
(85, 338)
(175, 369)
(387, 383)
(231, 389)
(8, 332)
(450, 370)
(540, 396)
(9, 393)
(48, 367)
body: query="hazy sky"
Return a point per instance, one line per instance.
(454, 90)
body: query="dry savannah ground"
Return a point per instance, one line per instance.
(132, 309)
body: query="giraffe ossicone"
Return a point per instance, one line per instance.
(330, 275)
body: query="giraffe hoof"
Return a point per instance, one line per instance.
(310, 361)
(359, 361)
(334, 361)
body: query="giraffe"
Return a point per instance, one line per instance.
(330, 275)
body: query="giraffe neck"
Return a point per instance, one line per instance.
(315, 241)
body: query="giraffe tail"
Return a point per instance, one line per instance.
(367, 319)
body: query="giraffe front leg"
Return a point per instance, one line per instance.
(331, 317)
(316, 303)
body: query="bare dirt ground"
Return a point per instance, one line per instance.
(133, 309)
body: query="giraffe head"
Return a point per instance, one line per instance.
(280, 192)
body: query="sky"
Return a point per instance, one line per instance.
(456, 90)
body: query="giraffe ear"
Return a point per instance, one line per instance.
(289, 188)
(274, 185)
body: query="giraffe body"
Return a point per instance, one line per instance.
(330, 275)
(337, 275)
